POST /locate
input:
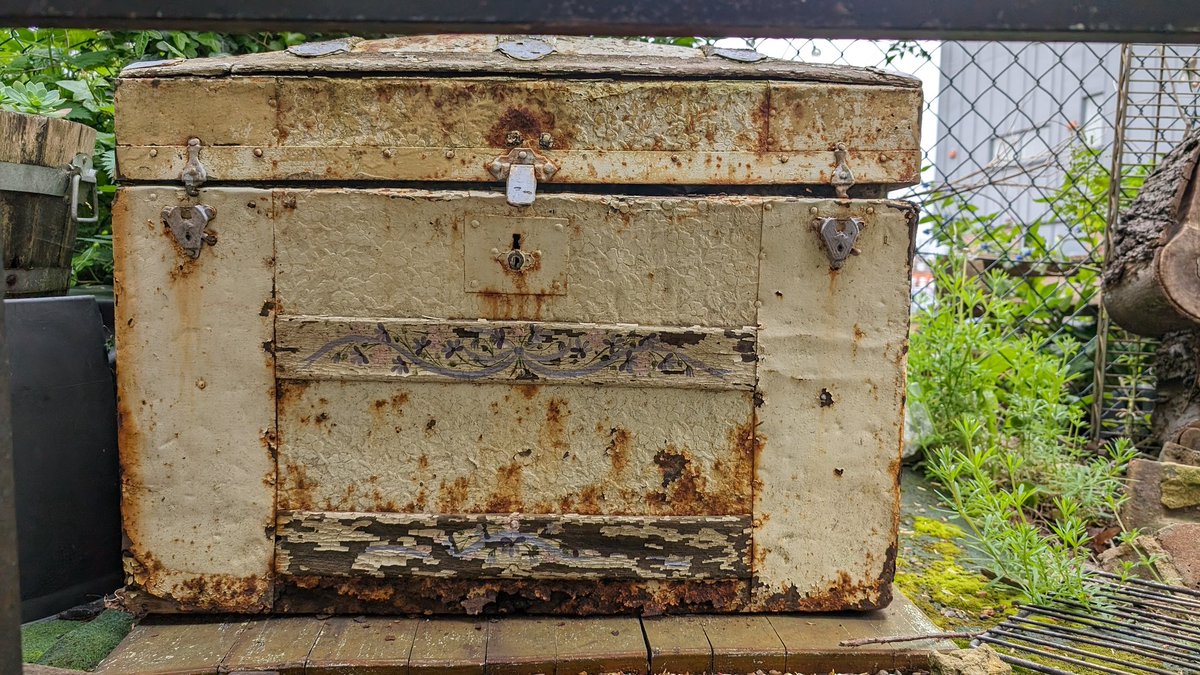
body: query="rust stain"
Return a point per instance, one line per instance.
(618, 448)
(529, 391)
(453, 496)
(725, 490)
(367, 595)
(529, 123)
(513, 306)
(506, 497)
(296, 491)
(761, 122)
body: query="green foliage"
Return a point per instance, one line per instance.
(32, 98)
(997, 362)
(72, 74)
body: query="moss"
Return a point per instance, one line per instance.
(1181, 487)
(85, 647)
(38, 637)
(937, 528)
(935, 573)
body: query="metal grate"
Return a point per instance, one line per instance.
(1134, 627)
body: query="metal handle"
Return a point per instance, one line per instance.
(82, 172)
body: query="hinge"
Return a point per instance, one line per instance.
(520, 169)
(843, 177)
(194, 173)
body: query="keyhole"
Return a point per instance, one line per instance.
(516, 241)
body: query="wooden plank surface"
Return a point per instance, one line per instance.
(310, 347)
(522, 646)
(278, 644)
(191, 645)
(449, 647)
(811, 640)
(378, 645)
(744, 644)
(489, 546)
(601, 645)
(677, 644)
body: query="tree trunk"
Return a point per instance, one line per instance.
(1151, 277)
(1177, 400)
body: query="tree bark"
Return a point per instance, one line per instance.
(1151, 277)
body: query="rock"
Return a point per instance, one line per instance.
(976, 661)
(1143, 548)
(1179, 454)
(1181, 545)
(1180, 486)
(1145, 509)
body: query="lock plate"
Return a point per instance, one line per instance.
(519, 256)
(187, 225)
(840, 235)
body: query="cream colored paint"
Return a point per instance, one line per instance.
(600, 131)
(496, 448)
(400, 253)
(196, 399)
(826, 504)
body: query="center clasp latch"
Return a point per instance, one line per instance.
(521, 169)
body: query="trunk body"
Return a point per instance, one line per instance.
(382, 383)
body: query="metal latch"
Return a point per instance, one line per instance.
(843, 177)
(839, 235)
(187, 224)
(194, 173)
(521, 169)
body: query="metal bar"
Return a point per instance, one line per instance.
(1107, 624)
(1116, 636)
(1152, 584)
(10, 592)
(1079, 652)
(1032, 665)
(1157, 600)
(1142, 617)
(1079, 636)
(1100, 363)
(1051, 655)
(1092, 20)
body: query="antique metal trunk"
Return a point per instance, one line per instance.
(476, 324)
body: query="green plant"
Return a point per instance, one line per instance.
(32, 98)
(1006, 442)
(72, 74)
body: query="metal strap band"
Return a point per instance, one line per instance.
(41, 180)
(36, 281)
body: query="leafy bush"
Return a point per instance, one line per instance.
(72, 74)
(1007, 442)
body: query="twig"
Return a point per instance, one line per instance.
(909, 638)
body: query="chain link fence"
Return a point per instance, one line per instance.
(1018, 142)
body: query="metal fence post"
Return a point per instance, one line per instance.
(10, 592)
